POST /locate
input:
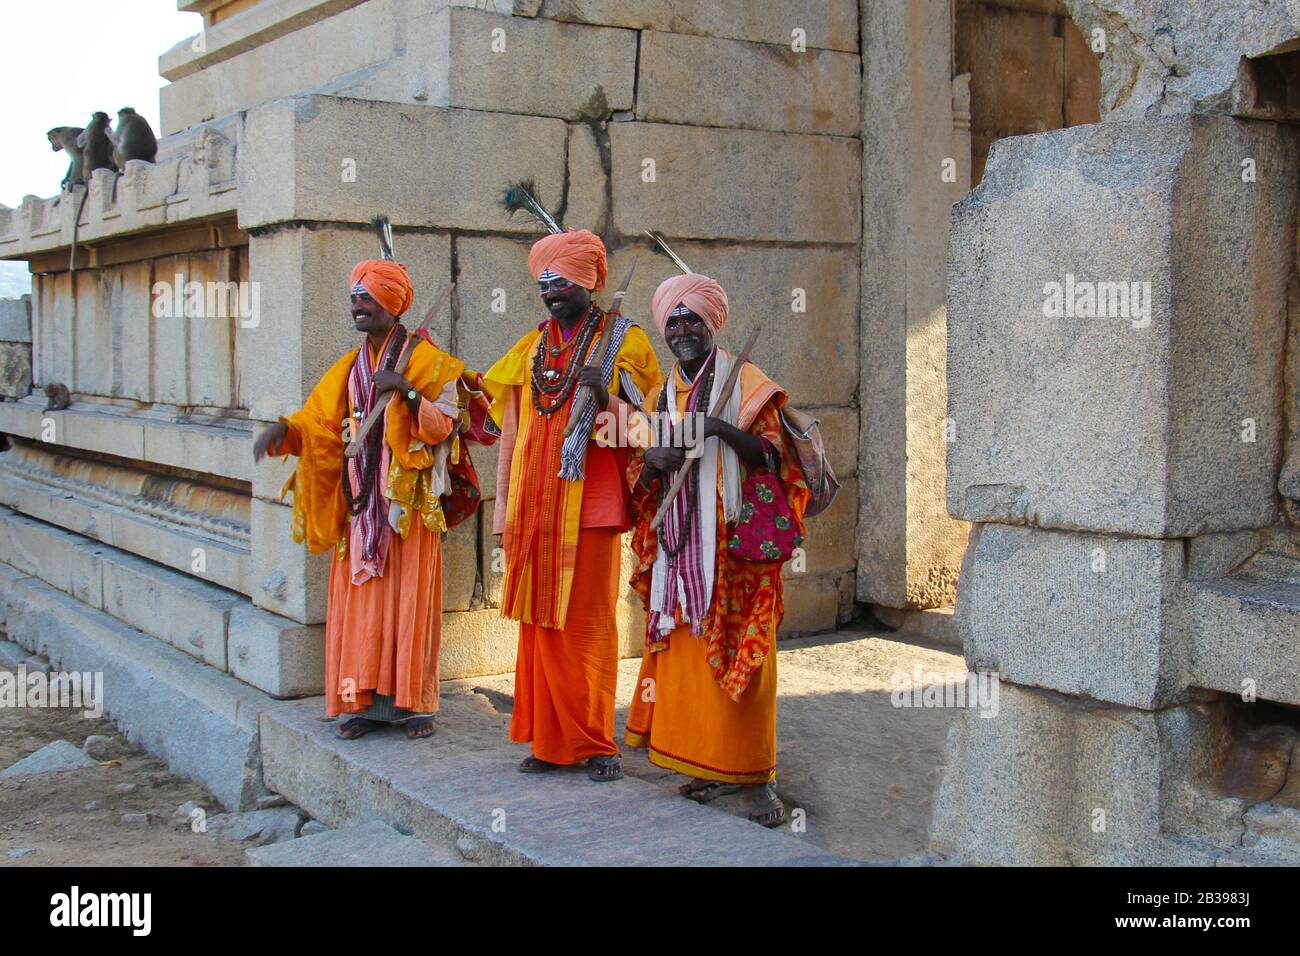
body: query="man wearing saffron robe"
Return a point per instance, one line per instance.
(379, 512)
(705, 700)
(562, 507)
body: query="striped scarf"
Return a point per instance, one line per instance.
(573, 457)
(370, 523)
(685, 582)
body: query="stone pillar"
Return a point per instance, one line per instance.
(1116, 331)
(916, 163)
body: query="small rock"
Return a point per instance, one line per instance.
(94, 805)
(257, 826)
(18, 852)
(312, 827)
(125, 788)
(11, 655)
(137, 820)
(102, 748)
(60, 755)
(271, 802)
(183, 816)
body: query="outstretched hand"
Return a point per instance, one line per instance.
(271, 436)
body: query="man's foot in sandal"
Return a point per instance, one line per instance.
(605, 768)
(533, 764)
(703, 791)
(357, 727)
(417, 727)
(766, 808)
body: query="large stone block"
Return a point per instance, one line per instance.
(414, 52)
(699, 81)
(1081, 614)
(287, 580)
(282, 657)
(460, 565)
(735, 184)
(16, 319)
(1161, 423)
(1053, 781)
(301, 161)
(827, 24)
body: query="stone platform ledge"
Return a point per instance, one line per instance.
(555, 819)
(158, 435)
(203, 723)
(165, 542)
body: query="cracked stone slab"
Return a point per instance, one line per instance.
(52, 758)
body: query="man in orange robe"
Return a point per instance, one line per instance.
(705, 701)
(380, 511)
(562, 507)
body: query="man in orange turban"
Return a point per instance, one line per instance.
(710, 575)
(562, 507)
(380, 512)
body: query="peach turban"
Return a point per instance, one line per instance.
(698, 293)
(388, 283)
(576, 254)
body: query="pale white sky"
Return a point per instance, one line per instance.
(63, 60)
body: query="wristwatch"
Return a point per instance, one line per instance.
(412, 395)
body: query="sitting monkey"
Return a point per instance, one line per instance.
(65, 138)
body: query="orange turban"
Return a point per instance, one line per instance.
(698, 293)
(578, 255)
(387, 282)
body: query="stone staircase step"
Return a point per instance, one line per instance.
(367, 844)
(495, 815)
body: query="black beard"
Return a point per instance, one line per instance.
(688, 349)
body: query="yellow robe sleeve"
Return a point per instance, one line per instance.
(509, 371)
(316, 434)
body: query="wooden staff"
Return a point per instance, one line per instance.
(377, 412)
(606, 336)
(685, 471)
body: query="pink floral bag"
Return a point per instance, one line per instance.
(765, 529)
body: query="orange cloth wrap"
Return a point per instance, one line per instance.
(388, 283)
(699, 293)
(578, 255)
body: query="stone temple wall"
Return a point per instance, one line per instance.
(288, 125)
(1134, 569)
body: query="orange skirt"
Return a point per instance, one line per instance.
(565, 678)
(383, 636)
(681, 715)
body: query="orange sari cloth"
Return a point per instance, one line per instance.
(565, 678)
(706, 706)
(381, 636)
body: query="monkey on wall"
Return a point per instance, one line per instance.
(135, 139)
(65, 138)
(59, 396)
(96, 142)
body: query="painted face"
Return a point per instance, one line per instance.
(563, 298)
(368, 315)
(688, 336)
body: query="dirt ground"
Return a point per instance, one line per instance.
(73, 818)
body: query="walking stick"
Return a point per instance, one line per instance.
(684, 472)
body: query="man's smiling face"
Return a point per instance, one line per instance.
(562, 298)
(688, 336)
(368, 315)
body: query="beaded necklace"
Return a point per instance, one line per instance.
(558, 384)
